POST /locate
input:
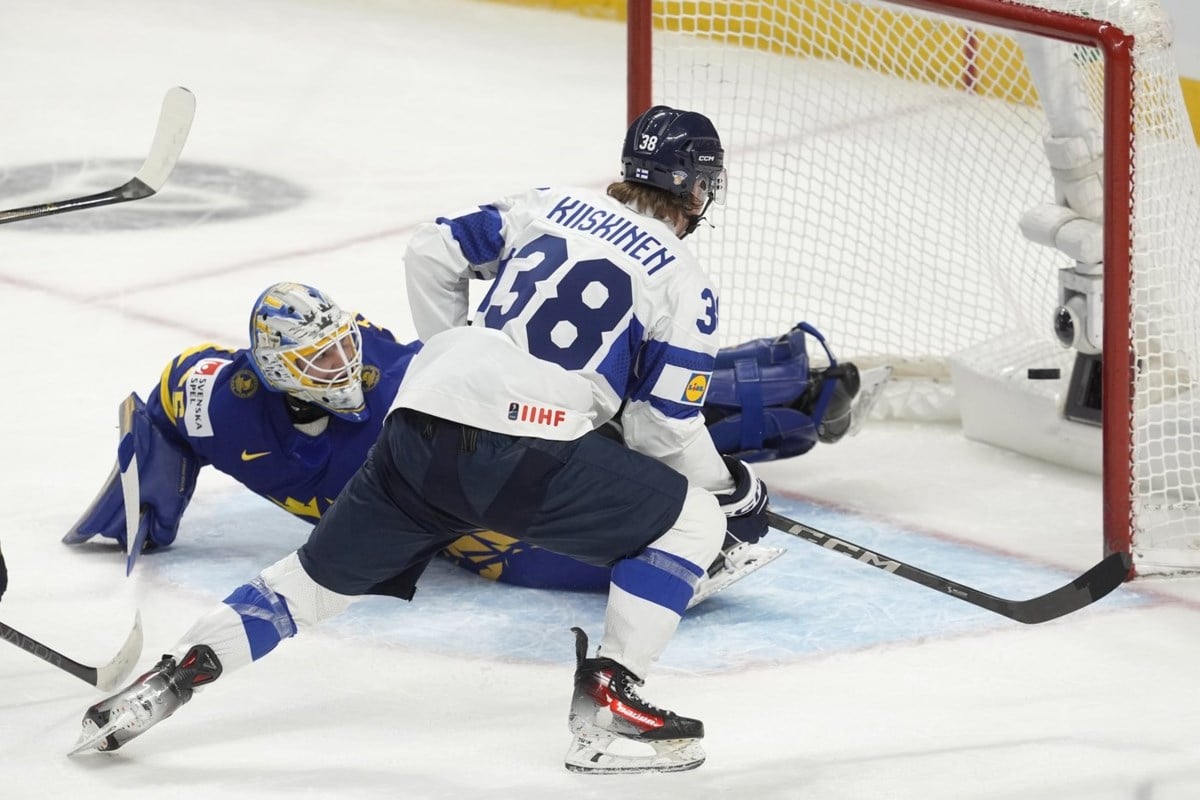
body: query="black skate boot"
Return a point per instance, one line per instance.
(147, 701)
(606, 707)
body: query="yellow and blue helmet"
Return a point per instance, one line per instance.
(304, 344)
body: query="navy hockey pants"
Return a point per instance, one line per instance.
(427, 481)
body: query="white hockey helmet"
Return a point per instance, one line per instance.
(304, 344)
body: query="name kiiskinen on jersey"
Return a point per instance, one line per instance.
(615, 228)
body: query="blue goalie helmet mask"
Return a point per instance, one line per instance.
(304, 344)
(678, 151)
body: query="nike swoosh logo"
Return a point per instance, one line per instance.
(251, 456)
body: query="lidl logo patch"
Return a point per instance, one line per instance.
(697, 385)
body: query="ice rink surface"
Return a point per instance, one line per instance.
(324, 132)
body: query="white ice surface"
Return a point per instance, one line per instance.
(817, 678)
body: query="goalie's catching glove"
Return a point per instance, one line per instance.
(746, 506)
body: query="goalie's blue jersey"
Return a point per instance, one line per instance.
(211, 397)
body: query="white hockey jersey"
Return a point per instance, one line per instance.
(594, 310)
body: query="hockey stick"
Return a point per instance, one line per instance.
(1084, 590)
(174, 122)
(106, 678)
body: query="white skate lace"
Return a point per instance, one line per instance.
(628, 688)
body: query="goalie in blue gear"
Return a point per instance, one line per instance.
(291, 417)
(268, 417)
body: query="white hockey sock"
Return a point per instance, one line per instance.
(650, 592)
(258, 615)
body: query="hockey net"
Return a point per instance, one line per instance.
(891, 183)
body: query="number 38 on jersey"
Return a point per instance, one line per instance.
(571, 312)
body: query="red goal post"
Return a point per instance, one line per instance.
(961, 86)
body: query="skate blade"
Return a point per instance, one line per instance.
(590, 754)
(752, 558)
(93, 735)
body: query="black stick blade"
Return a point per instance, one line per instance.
(1084, 590)
(1089, 587)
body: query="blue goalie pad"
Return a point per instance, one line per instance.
(764, 402)
(501, 558)
(166, 474)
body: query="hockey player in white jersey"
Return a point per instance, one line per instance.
(596, 311)
(602, 291)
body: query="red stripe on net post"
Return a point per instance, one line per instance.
(1117, 387)
(639, 43)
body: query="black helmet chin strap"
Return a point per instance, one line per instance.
(694, 220)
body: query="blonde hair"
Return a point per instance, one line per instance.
(658, 203)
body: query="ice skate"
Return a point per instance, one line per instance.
(147, 701)
(607, 711)
(731, 565)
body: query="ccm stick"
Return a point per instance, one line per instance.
(106, 678)
(174, 122)
(1084, 590)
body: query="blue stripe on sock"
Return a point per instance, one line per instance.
(659, 577)
(265, 616)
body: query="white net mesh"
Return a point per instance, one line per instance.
(880, 161)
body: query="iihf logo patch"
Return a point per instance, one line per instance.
(536, 415)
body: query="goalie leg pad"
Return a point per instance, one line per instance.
(766, 402)
(166, 472)
(105, 515)
(502, 558)
(749, 410)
